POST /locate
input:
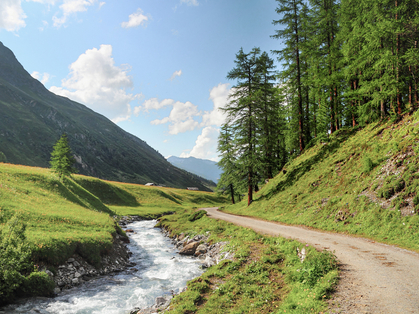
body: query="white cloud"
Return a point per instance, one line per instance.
(70, 7)
(101, 4)
(181, 118)
(190, 2)
(135, 19)
(44, 78)
(205, 145)
(219, 96)
(95, 81)
(153, 104)
(12, 16)
(176, 73)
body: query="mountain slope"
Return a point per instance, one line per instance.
(32, 119)
(363, 181)
(204, 168)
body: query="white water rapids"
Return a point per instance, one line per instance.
(160, 271)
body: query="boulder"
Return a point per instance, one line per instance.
(201, 249)
(189, 249)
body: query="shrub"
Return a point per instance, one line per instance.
(15, 256)
(37, 284)
(368, 165)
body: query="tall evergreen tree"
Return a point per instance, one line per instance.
(290, 11)
(62, 159)
(241, 111)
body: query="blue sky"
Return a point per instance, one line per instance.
(157, 68)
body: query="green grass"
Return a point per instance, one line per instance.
(265, 276)
(362, 181)
(75, 215)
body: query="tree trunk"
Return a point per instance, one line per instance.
(232, 193)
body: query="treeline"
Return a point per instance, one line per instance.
(344, 63)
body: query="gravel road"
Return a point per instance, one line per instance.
(375, 277)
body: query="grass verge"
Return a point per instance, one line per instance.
(265, 276)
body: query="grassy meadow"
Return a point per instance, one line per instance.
(75, 215)
(363, 182)
(265, 275)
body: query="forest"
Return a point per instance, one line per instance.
(344, 64)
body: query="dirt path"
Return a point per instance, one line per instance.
(375, 277)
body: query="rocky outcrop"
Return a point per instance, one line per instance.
(77, 270)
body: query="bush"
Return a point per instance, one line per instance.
(37, 284)
(368, 164)
(15, 256)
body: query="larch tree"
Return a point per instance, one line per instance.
(241, 112)
(62, 160)
(290, 11)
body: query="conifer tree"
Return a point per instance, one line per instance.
(241, 112)
(290, 11)
(62, 159)
(227, 163)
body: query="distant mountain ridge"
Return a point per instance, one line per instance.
(205, 168)
(32, 119)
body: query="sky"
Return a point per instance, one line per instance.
(156, 68)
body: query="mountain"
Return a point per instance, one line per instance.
(32, 119)
(202, 167)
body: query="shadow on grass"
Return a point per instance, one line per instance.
(295, 173)
(109, 194)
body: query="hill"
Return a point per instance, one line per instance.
(62, 215)
(207, 169)
(362, 181)
(32, 119)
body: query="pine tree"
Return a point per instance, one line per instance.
(62, 159)
(290, 11)
(227, 163)
(241, 113)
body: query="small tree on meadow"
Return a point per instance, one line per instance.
(61, 158)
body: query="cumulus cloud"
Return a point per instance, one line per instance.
(176, 73)
(190, 2)
(205, 145)
(153, 104)
(135, 19)
(43, 78)
(181, 118)
(97, 82)
(70, 7)
(12, 17)
(219, 96)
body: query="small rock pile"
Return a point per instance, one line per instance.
(159, 306)
(198, 246)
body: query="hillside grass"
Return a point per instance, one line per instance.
(265, 276)
(75, 215)
(363, 182)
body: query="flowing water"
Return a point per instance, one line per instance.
(160, 271)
